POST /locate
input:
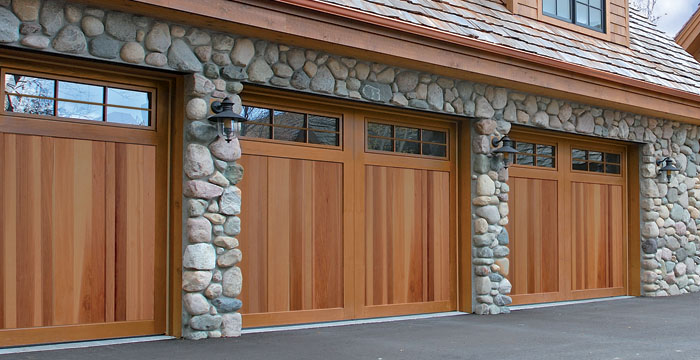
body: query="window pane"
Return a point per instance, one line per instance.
(545, 162)
(323, 138)
(287, 134)
(407, 133)
(121, 97)
(580, 165)
(435, 150)
(525, 160)
(525, 148)
(127, 116)
(578, 154)
(545, 150)
(27, 85)
(550, 6)
(379, 130)
(596, 19)
(408, 147)
(79, 111)
(323, 123)
(256, 114)
(380, 144)
(288, 118)
(255, 130)
(595, 167)
(581, 13)
(612, 169)
(81, 92)
(27, 105)
(564, 8)
(612, 158)
(594, 3)
(435, 136)
(595, 156)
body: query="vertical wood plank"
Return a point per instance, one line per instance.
(278, 234)
(3, 160)
(254, 236)
(64, 207)
(110, 231)
(328, 289)
(47, 234)
(10, 231)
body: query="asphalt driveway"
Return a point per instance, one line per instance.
(639, 328)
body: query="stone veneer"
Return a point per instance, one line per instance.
(219, 64)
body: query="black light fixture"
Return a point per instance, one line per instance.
(228, 123)
(668, 167)
(506, 149)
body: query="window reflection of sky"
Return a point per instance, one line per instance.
(74, 100)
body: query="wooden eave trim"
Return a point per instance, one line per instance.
(689, 36)
(378, 39)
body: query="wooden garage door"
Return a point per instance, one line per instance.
(82, 206)
(568, 224)
(335, 228)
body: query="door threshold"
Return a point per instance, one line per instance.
(563, 303)
(350, 322)
(82, 344)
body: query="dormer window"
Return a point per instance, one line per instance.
(587, 13)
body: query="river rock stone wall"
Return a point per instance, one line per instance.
(220, 64)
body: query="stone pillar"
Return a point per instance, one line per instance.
(211, 280)
(489, 209)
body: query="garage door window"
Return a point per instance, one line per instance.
(532, 154)
(406, 140)
(595, 161)
(291, 126)
(76, 99)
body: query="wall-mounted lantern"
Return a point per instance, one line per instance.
(506, 149)
(668, 167)
(228, 123)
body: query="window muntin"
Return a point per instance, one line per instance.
(406, 140)
(538, 155)
(587, 13)
(72, 99)
(595, 161)
(290, 126)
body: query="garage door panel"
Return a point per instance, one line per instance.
(295, 253)
(134, 167)
(534, 259)
(407, 235)
(56, 206)
(597, 236)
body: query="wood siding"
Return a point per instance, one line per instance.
(78, 231)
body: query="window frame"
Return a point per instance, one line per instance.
(302, 110)
(572, 20)
(445, 130)
(152, 91)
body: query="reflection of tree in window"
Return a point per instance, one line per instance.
(32, 87)
(290, 126)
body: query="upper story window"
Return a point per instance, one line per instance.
(587, 13)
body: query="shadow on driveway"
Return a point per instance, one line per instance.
(639, 328)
